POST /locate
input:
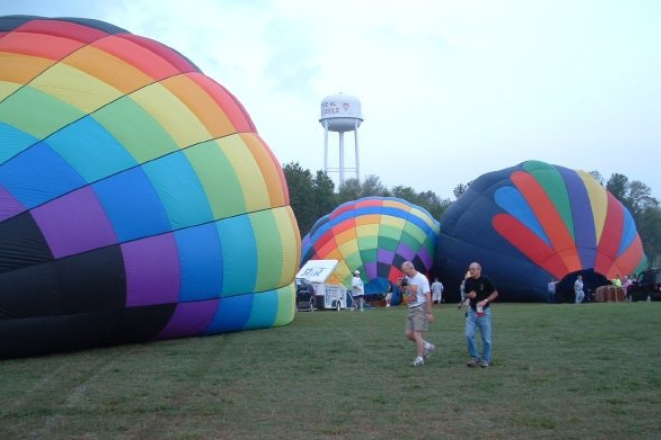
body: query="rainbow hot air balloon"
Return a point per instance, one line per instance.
(374, 235)
(537, 221)
(137, 201)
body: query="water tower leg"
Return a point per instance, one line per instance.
(341, 157)
(357, 157)
(326, 147)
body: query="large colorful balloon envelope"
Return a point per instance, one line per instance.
(137, 201)
(533, 222)
(374, 235)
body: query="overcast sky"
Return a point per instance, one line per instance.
(449, 89)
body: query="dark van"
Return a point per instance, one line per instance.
(647, 284)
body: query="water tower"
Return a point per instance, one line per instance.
(341, 113)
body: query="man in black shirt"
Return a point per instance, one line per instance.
(481, 292)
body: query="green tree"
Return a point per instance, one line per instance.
(324, 196)
(649, 228)
(349, 190)
(301, 195)
(617, 185)
(404, 192)
(597, 176)
(635, 195)
(460, 189)
(353, 189)
(640, 196)
(372, 187)
(432, 203)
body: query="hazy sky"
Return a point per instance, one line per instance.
(449, 89)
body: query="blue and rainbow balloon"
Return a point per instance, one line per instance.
(137, 200)
(537, 221)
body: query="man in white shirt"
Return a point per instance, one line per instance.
(437, 291)
(578, 289)
(358, 293)
(416, 288)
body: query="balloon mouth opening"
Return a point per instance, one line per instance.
(591, 281)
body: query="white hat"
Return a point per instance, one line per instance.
(356, 272)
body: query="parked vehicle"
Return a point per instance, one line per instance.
(648, 284)
(324, 296)
(305, 295)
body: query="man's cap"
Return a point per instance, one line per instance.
(356, 272)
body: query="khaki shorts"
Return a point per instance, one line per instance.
(416, 320)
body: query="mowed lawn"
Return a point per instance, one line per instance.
(559, 372)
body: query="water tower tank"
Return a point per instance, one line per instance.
(341, 113)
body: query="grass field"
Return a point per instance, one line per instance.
(559, 372)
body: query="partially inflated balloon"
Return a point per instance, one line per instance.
(533, 222)
(136, 199)
(374, 235)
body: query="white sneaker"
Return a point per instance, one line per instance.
(418, 362)
(429, 350)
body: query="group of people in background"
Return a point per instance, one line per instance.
(579, 288)
(358, 292)
(625, 284)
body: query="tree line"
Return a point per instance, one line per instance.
(313, 195)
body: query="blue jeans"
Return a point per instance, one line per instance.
(484, 324)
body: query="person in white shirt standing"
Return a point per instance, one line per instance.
(416, 288)
(358, 293)
(578, 289)
(437, 291)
